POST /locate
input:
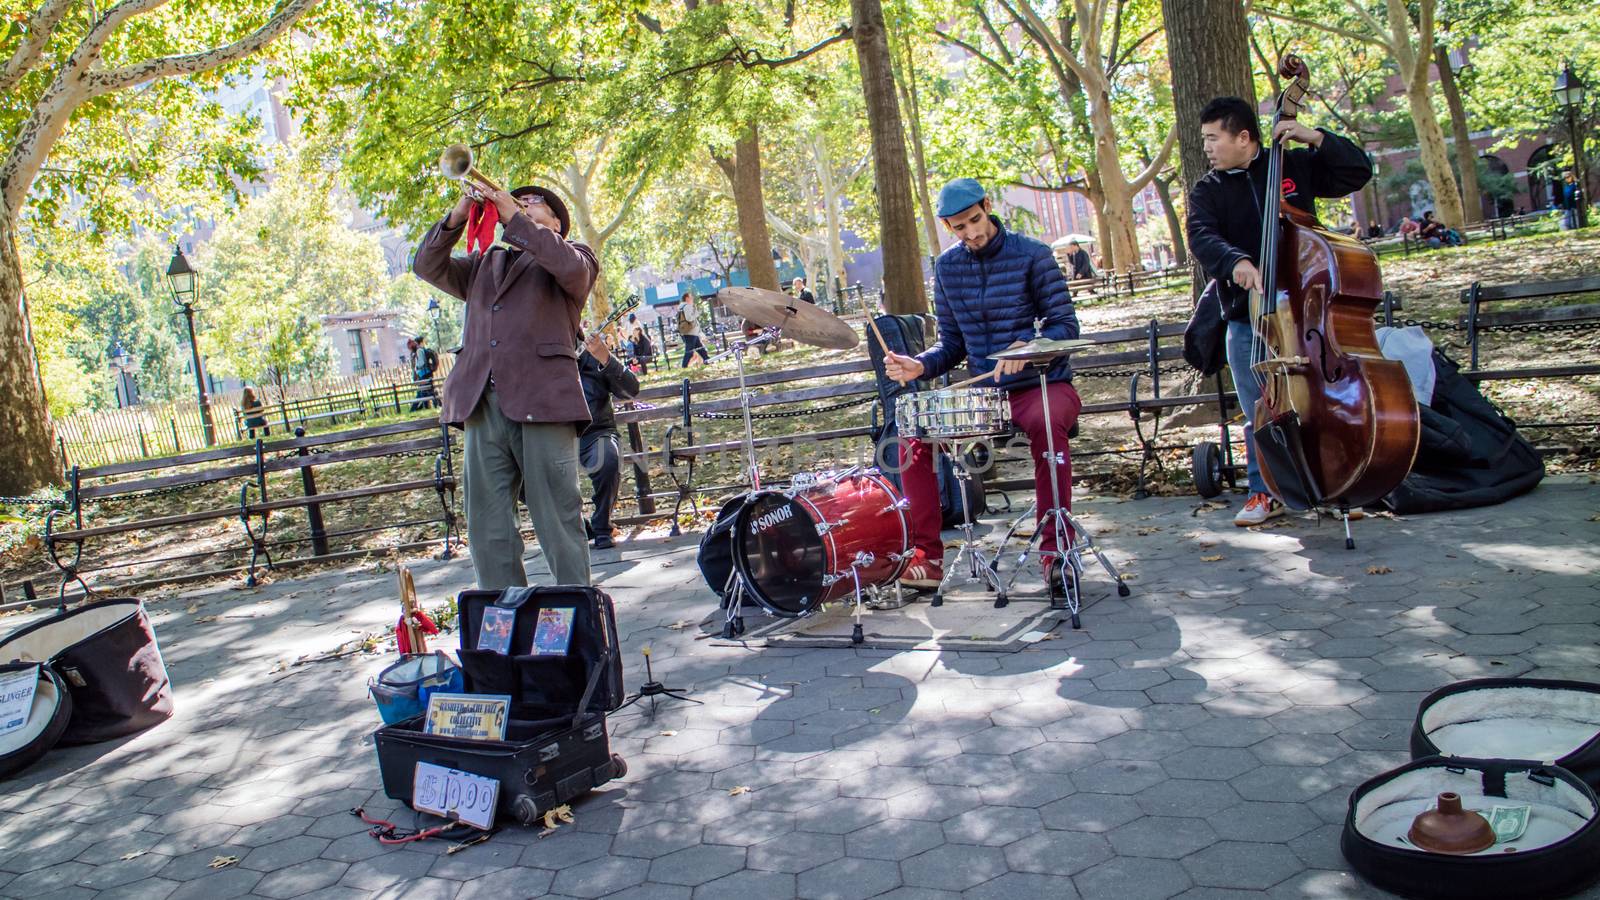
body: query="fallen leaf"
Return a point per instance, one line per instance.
(1216, 558)
(680, 625)
(546, 833)
(222, 862)
(1207, 545)
(193, 608)
(1146, 532)
(561, 815)
(667, 564)
(741, 789)
(208, 618)
(135, 854)
(1378, 570)
(669, 734)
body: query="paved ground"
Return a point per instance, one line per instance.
(1198, 739)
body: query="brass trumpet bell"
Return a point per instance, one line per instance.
(455, 163)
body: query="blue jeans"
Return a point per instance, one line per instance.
(1240, 336)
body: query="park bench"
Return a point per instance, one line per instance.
(1541, 306)
(249, 464)
(1497, 229)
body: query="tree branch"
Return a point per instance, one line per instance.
(1321, 26)
(994, 33)
(40, 26)
(193, 63)
(990, 61)
(1154, 166)
(1133, 48)
(627, 204)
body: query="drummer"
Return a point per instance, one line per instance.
(987, 291)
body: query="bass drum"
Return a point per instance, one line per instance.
(812, 544)
(106, 656)
(47, 719)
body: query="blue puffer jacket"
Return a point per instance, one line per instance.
(988, 300)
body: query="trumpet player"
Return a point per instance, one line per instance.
(515, 388)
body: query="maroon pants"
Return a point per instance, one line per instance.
(1027, 411)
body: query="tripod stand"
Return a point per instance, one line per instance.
(653, 689)
(981, 564)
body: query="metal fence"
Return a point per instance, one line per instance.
(165, 429)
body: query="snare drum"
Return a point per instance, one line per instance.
(799, 548)
(946, 414)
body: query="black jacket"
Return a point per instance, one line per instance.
(1225, 206)
(600, 384)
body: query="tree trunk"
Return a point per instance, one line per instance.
(1175, 228)
(908, 95)
(1466, 155)
(27, 437)
(744, 173)
(1102, 229)
(891, 175)
(599, 303)
(1123, 249)
(1208, 46)
(830, 211)
(1435, 155)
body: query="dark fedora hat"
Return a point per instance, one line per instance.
(551, 200)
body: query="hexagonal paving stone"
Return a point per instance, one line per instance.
(518, 882)
(1128, 878)
(1262, 821)
(841, 817)
(284, 853)
(934, 803)
(1015, 885)
(566, 848)
(219, 885)
(1058, 852)
(301, 878)
(1146, 745)
(792, 796)
(795, 852)
(746, 885)
(697, 865)
(656, 839)
(849, 879)
(750, 828)
(147, 889)
(601, 877)
(893, 839)
(972, 770)
(393, 867)
(1314, 719)
(1057, 757)
(1229, 732)
(954, 868)
(992, 826)
(1002, 740)
(1123, 776)
(1210, 763)
(1186, 797)
(1090, 812)
(1299, 750)
(1283, 783)
(1162, 837)
(1086, 728)
(119, 872)
(1236, 864)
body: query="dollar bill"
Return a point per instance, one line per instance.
(1509, 822)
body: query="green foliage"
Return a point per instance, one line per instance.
(269, 273)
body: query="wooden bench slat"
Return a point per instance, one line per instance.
(351, 494)
(140, 524)
(825, 392)
(1531, 372)
(163, 462)
(181, 479)
(289, 463)
(1577, 312)
(728, 446)
(1529, 290)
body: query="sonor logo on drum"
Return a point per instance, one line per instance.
(781, 514)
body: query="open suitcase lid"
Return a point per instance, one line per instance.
(1513, 718)
(46, 719)
(593, 632)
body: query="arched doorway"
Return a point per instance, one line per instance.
(1541, 175)
(1499, 190)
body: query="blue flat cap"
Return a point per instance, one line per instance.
(958, 195)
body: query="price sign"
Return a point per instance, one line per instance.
(455, 794)
(16, 698)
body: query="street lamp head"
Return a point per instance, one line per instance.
(117, 355)
(1569, 88)
(434, 310)
(181, 278)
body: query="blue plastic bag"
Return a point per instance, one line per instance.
(402, 690)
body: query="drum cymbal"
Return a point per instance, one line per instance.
(1042, 349)
(805, 322)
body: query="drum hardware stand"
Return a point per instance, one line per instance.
(1062, 522)
(981, 564)
(738, 350)
(653, 689)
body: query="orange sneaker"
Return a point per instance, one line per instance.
(1259, 508)
(922, 573)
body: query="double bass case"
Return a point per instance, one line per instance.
(556, 746)
(1558, 854)
(1514, 718)
(47, 719)
(105, 655)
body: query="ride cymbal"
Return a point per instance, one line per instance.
(804, 322)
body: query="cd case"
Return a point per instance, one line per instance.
(553, 632)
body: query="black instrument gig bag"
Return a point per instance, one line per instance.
(556, 746)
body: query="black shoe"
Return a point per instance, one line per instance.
(604, 542)
(1058, 587)
(588, 531)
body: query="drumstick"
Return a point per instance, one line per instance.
(882, 344)
(974, 379)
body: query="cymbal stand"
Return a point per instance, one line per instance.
(738, 349)
(1071, 537)
(981, 564)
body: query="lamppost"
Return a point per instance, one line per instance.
(118, 360)
(434, 312)
(1569, 91)
(183, 282)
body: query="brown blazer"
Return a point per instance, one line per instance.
(523, 307)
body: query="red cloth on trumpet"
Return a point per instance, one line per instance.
(423, 623)
(481, 220)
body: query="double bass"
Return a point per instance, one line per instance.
(1337, 425)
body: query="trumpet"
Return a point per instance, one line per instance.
(455, 163)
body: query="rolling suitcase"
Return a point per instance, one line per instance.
(556, 746)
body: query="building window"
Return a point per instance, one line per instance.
(358, 351)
